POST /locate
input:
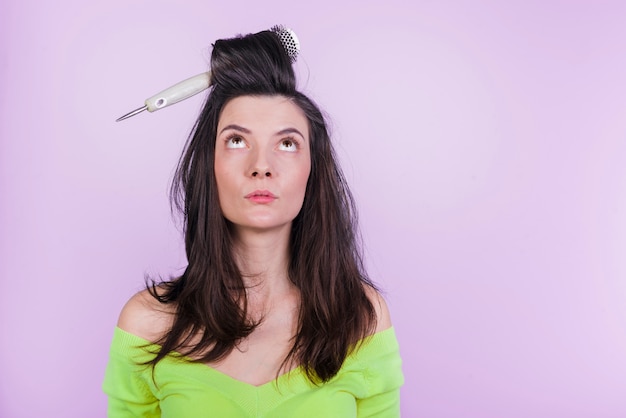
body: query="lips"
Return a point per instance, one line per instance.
(261, 196)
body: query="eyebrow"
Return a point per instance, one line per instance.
(290, 131)
(247, 131)
(236, 128)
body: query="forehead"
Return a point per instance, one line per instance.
(261, 113)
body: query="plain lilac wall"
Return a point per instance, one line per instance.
(485, 142)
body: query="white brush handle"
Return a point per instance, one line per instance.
(178, 92)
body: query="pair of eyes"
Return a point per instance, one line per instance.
(288, 144)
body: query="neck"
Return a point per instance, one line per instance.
(263, 258)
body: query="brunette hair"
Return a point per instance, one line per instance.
(325, 261)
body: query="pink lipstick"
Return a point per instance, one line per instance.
(261, 196)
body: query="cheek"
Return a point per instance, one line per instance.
(305, 177)
(223, 179)
(219, 177)
(302, 179)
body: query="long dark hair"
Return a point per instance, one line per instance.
(325, 261)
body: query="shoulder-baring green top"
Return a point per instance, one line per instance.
(367, 385)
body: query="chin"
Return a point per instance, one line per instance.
(262, 224)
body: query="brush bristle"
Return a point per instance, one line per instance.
(289, 40)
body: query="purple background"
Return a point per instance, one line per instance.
(485, 142)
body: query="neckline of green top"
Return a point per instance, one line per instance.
(296, 378)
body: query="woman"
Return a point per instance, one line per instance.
(274, 315)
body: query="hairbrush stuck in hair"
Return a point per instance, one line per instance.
(201, 82)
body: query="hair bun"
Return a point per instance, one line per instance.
(253, 64)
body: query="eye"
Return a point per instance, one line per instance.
(288, 144)
(235, 141)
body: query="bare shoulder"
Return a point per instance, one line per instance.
(145, 317)
(383, 318)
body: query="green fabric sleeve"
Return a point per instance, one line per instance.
(383, 378)
(128, 384)
(383, 405)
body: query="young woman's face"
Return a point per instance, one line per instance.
(262, 161)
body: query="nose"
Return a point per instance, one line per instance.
(261, 166)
